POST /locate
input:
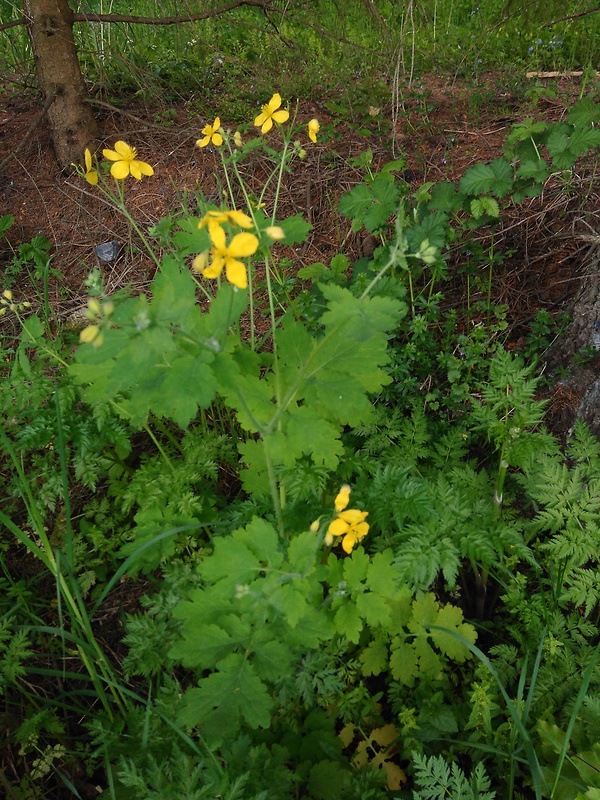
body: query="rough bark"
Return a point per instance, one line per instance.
(584, 332)
(72, 123)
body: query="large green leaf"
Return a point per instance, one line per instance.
(225, 698)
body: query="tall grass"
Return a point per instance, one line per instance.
(302, 46)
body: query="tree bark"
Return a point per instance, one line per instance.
(72, 123)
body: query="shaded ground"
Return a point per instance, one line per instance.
(441, 129)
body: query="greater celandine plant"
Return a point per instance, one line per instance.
(292, 395)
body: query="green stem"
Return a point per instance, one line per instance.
(160, 448)
(275, 494)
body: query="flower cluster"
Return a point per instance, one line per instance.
(97, 313)
(223, 255)
(270, 113)
(349, 524)
(7, 303)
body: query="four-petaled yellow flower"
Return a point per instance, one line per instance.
(126, 162)
(349, 523)
(90, 174)
(313, 129)
(211, 134)
(226, 256)
(233, 217)
(270, 114)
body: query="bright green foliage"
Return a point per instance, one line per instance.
(255, 615)
(369, 598)
(371, 204)
(436, 779)
(14, 650)
(482, 178)
(317, 385)
(565, 529)
(280, 644)
(262, 607)
(579, 775)
(159, 357)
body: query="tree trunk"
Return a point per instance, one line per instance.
(72, 123)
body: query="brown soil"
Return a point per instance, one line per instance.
(442, 129)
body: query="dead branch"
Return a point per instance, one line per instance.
(177, 20)
(134, 20)
(13, 23)
(572, 16)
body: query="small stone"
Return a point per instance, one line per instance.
(108, 251)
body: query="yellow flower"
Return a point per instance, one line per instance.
(126, 162)
(226, 256)
(350, 524)
(211, 134)
(270, 114)
(90, 174)
(313, 129)
(233, 217)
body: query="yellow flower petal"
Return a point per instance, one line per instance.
(91, 177)
(111, 155)
(267, 125)
(214, 269)
(139, 168)
(348, 543)
(88, 159)
(337, 527)
(343, 498)
(274, 102)
(217, 139)
(120, 170)
(281, 116)
(210, 216)
(262, 117)
(239, 218)
(125, 151)
(236, 272)
(353, 516)
(203, 142)
(217, 235)
(243, 244)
